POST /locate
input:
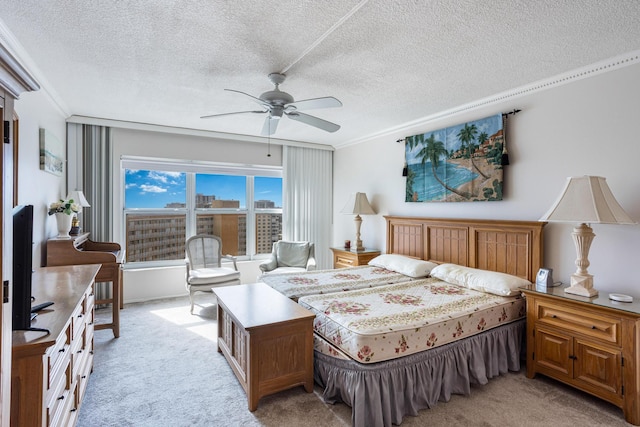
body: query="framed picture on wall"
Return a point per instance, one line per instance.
(51, 153)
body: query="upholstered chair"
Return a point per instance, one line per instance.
(289, 257)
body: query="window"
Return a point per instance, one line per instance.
(155, 220)
(268, 207)
(167, 202)
(221, 209)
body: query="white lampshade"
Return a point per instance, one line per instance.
(78, 198)
(358, 205)
(587, 199)
(584, 200)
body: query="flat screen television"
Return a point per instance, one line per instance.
(22, 266)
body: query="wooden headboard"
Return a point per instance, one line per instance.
(513, 247)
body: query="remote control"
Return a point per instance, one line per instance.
(39, 307)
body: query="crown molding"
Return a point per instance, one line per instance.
(14, 78)
(30, 72)
(592, 70)
(122, 124)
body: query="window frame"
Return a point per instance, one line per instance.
(191, 168)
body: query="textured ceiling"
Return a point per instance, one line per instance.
(389, 62)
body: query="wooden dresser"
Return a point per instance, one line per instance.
(345, 258)
(266, 338)
(588, 343)
(81, 250)
(50, 372)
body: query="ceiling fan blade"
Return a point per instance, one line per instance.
(313, 121)
(228, 114)
(270, 125)
(258, 100)
(310, 104)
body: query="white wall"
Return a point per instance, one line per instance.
(146, 284)
(37, 187)
(586, 127)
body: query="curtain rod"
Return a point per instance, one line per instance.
(515, 111)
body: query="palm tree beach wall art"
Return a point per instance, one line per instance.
(461, 163)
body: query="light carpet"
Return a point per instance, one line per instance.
(165, 370)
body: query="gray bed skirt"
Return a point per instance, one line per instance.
(381, 394)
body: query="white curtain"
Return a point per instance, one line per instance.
(307, 199)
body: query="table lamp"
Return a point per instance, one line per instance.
(78, 197)
(358, 205)
(585, 200)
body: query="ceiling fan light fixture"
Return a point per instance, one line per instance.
(276, 113)
(277, 103)
(277, 97)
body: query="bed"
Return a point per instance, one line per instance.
(382, 323)
(296, 285)
(395, 363)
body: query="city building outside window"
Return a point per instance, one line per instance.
(164, 207)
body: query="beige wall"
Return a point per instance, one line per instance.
(586, 127)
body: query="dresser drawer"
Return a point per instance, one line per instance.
(89, 300)
(585, 322)
(343, 258)
(58, 355)
(64, 413)
(77, 322)
(77, 355)
(344, 261)
(59, 395)
(83, 377)
(89, 327)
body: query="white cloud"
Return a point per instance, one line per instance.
(163, 176)
(157, 176)
(152, 189)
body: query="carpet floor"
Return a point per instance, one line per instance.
(165, 370)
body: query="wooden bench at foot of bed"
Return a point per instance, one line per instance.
(266, 338)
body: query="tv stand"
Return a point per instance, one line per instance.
(50, 372)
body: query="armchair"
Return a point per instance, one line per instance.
(204, 268)
(289, 257)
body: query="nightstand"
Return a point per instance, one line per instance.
(588, 343)
(345, 258)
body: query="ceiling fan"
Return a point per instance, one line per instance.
(277, 104)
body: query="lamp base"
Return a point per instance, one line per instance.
(582, 285)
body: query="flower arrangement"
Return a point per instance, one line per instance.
(64, 206)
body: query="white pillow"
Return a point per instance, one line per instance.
(480, 280)
(404, 265)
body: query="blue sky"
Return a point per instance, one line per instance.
(156, 189)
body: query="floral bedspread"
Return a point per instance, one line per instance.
(296, 285)
(382, 323)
